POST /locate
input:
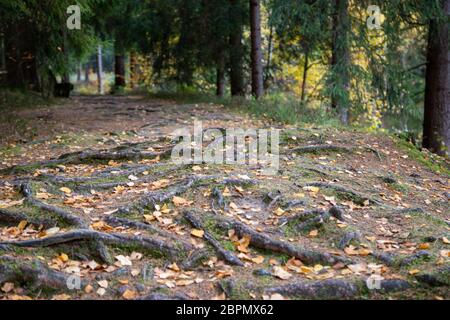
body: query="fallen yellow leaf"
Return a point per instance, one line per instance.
(258, 259)
(314, 233)
(22, 225)
(311, 189)
(65, 190)
(129, 295)
(197, 233)
(178, 201)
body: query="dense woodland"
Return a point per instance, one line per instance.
(91, 206)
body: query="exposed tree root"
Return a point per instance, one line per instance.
(387, 258)
(150, 199)
(437, 278)
(308, 220)
(110, 238)
(347, 238)
(68, 217)
(314, 219)
(359, 198)
(326, 289)
(419, 255)
(163, 296)
(115, 221)
(409, 210)
(263, 241)
(375, 151)
(88, 156)
(320, 148)
(223, 253)
(9, 217)
(35, 273)
(110, 185)
(195, 259)
(335, 289)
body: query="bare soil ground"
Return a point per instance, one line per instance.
(92, 207)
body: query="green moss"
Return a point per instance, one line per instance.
(400, 187)
(431, 161)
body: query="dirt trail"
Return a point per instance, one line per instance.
(94, 208)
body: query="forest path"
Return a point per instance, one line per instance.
(94, 199)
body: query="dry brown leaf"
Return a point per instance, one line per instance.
(258, 259)
(178, 201)
(311, 189)
(103, 284)
(423, 246)
(279, 212)
(61, 297)
(314, 233)
(129, 295)
(281, 273)
(22, 225)
(7, 287)
(197, 233)
(65, 190)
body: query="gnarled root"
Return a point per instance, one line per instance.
(223, 253)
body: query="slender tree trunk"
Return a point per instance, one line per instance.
(220, 80)
(269, 60)
(79, 72)
(257, 67)
(341, 60)
(236, 50)
(119, 70)
(100, 70)
(436, 125)
(86, 72)
(133, 69)
(305, 74)
(66, 74)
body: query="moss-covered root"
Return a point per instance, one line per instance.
(222, 252)
(335, 289)
(145, 243)
(34, 273)
(263, 241)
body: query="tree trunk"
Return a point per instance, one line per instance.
(119, 71)
(86, 72)
(305, 74)
(340, 61)
(66, 74)
(20, 54)
(100, 70)
(133, 69)
(436, 125)
(220, 80)
(257, 67)
(79, 72)
(236, 50)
